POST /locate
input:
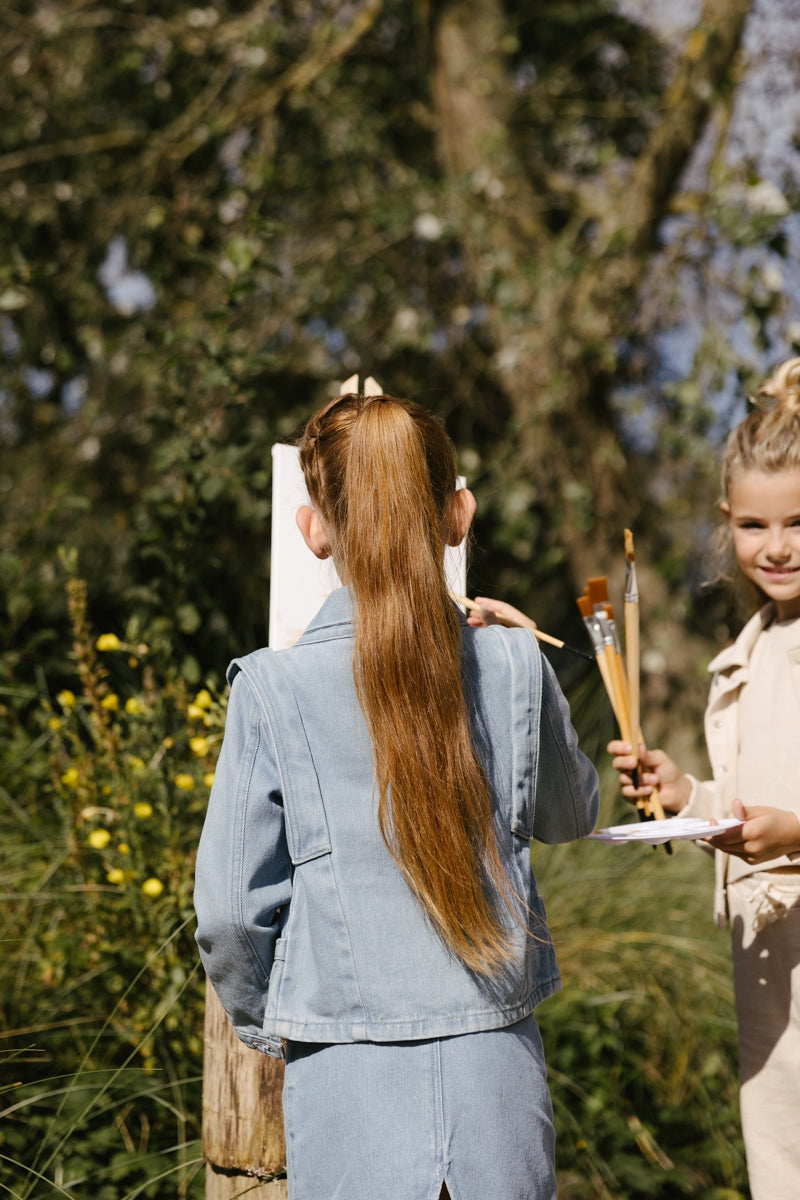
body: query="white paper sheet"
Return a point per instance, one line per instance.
(672, 829)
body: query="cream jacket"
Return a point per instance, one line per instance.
(730, 671)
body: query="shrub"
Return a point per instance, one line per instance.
(100, 986)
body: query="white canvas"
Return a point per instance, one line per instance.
(300, 582)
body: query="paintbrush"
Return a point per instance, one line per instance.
(632, 634)
(633, 663)
(598, 615)
(595, 631)
(597, 593)
(510, 622)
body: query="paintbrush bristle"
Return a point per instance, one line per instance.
(597, 589)
(629, 545)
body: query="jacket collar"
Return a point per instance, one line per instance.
(737, 655)
(335, 618)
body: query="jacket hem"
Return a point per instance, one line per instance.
(405, 1030)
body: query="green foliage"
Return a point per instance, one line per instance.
(642, 1042)
(101, 995)
(274, 173)
(602, 69)
(272, 170)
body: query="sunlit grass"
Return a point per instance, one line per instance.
(641, 1042)
(101, 996)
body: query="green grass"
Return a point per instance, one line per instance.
(101, 996)
(641, 1042)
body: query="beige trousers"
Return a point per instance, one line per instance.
(765, 924)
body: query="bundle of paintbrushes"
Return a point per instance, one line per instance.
(621, 680)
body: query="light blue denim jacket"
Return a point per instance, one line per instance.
(306, 927)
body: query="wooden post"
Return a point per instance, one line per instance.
(243, 1138)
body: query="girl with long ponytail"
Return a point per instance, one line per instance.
(365, 899)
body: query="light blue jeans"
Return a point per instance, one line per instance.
(393, 1121)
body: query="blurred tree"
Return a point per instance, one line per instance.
(213, 212)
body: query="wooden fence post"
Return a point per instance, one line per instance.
(243, 1139)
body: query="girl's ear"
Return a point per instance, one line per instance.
(459, 518)
(725, 509)
(310, 525)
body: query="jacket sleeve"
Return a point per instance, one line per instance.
(705, 800)
(567, 787)
(243, 878)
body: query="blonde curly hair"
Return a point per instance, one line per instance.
(768, 439)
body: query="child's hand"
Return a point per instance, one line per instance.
(497, 612)
(656, 770)
(767, 833)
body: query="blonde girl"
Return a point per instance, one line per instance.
(365, 900)
(752, 724)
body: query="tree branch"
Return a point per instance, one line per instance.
(705, 69)
(555, 310)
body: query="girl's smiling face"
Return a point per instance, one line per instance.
(763, 512)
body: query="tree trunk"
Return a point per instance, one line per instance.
(558, 301)
(243, 1140)
(557, 304)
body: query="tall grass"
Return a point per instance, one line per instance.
(105, 774)
(103, 794)
(641, 1042)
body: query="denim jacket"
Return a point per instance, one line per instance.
(306, 927)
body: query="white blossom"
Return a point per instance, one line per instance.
(128, 292)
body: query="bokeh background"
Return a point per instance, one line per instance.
(570, 229)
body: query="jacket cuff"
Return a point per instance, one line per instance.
(702, 800)
(268, 1044)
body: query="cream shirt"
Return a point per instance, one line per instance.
(769, 740)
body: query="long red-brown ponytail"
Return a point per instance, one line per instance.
(382, 474)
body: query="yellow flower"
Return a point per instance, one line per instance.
(99, 838)
(168, 743)
(184, 782)
(142, 809)
(115, 875)
(66, 698)
(195, 712)
(111, 701)
(203, 698)
(208, 778)
(152, 887)
(108, 641)
(54, 723)
(70, 777)
(133, 705)
(123, 848)
(135, 763)
(199, 746)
